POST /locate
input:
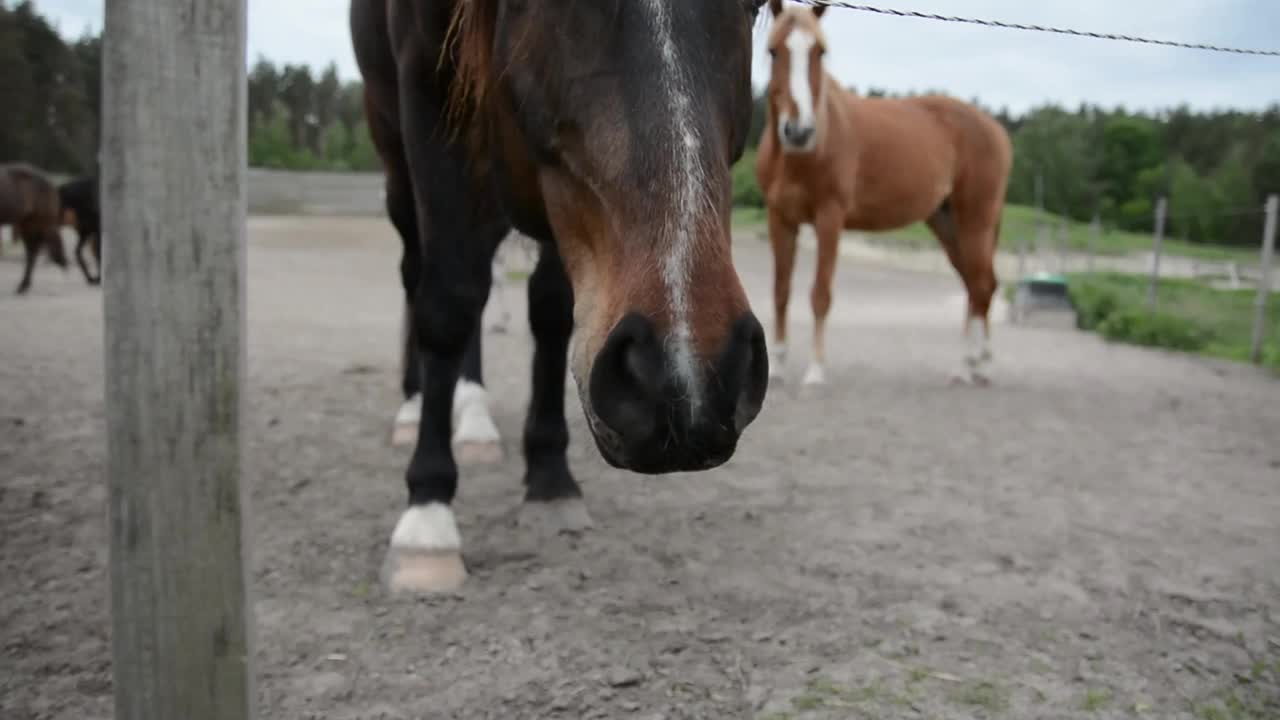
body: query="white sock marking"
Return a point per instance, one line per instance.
(410, 413)
(427, 527)
(471, 419)
(691, 200)
(815, 375)
(777, 359)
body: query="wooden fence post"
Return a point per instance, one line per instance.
(1162, 208)
(1264, 279)
(174, 150)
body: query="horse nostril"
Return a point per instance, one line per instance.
(755, 375)
(627, 379)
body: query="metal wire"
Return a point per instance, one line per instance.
(1035, 28)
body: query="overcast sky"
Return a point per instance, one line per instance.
(1011, 68)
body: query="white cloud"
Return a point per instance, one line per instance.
(1001, 67)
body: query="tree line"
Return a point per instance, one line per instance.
(1216, 167)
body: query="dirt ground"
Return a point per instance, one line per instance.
(1097, 535)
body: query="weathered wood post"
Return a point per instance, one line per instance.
(1162, 208)
(1264, 279)
(174, 141)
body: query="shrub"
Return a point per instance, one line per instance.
(1093, 302)
(1139, 326)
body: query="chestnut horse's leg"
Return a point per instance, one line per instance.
(553, 499)
(827, 225)
(969, 242)
(782, 240)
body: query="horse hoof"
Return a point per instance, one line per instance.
(557, 516)
(815, 375)
(980, 380)
(404, 434)
(471, 452)
(426, 552)
(414, 571)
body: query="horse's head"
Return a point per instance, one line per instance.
(619, 123)
(796, 46)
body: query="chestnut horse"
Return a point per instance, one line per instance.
(843, 162)
(29, 202)
(605, 130)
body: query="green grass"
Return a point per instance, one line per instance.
(1095, 700)
(987, 695)
(1019, 224)
(748, 218)
(1191, 316)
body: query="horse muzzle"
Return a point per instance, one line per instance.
(653, 411)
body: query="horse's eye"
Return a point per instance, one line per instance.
(773, 52)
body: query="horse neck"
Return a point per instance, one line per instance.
(833, 112)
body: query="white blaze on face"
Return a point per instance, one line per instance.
(690, 200)
(799, 45)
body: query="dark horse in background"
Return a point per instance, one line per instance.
(79, 201)
(605, 130)
(29, 202)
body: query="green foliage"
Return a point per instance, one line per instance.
(746, 190)
(1190, 317)
(1137, 326)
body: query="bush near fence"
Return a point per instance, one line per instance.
(1190, 316)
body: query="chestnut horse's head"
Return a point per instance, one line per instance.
(796, 46)
(615, 123)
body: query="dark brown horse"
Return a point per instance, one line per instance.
(29, 202)
(839, 161)
(604, 129)
(79, 201)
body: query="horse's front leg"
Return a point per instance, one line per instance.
(84, 267)
(782, 240)
(426, 547)
(553, 499)
(458, 229)
(827, 225)
(476, 440)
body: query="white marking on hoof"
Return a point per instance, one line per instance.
(558, 516)
(977, 353)
(404, 431)
(426, 552)
(815, 375)
(475, 436)
(777, 361)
